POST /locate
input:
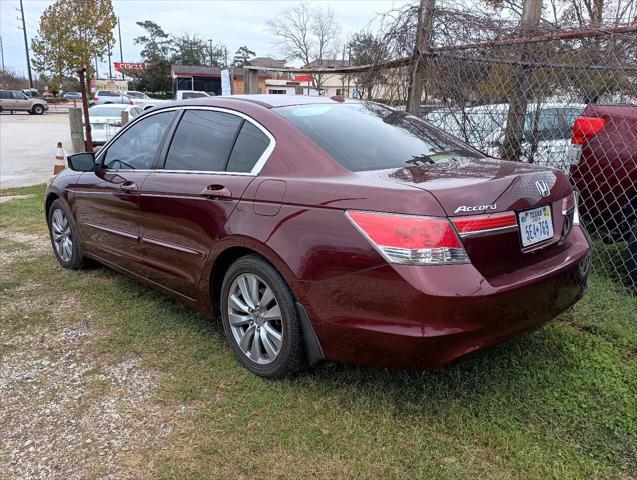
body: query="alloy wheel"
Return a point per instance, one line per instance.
(62, 235)
(255, 319)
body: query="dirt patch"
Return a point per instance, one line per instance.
(67, 411)
(8, 198)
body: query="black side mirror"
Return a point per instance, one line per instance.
(82, 162)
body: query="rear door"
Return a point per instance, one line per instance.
(186, 204)
(107, 201)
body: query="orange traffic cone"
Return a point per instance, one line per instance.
(59, 160)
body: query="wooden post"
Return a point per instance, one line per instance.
(77, 134)
(423, 44)
(124, 117)
(87, 123)
(250, 81)
(522, 88)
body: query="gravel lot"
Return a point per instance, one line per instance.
(28, 145)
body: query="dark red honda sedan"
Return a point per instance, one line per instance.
(323, 229)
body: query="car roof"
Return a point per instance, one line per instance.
(265, 100)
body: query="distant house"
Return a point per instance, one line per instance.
(208, 79)
(267, 62)
(331, 84)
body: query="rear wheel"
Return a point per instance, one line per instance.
(260, 319)
(64, 237)
(37, 109)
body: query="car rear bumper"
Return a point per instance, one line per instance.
(424, 317)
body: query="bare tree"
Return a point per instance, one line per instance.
(306, 34)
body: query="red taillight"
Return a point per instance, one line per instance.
(480, 224)
(586, 128)
(96, 98)
(410, 239)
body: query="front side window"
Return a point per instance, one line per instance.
(20, 96)
(248, 148)
(203, 141)
(369, 136)
(137, 146)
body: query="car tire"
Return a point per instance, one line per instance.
(260, 319)
(64, 238)
(37, 109)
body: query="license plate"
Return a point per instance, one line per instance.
(536, 225)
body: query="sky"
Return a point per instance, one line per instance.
(232, 22)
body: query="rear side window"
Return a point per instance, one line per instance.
(369, 136)
(203, 141)
(250, 145)
(5, 95)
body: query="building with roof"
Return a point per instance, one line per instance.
(208, 79)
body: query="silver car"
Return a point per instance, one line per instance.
(14, 101)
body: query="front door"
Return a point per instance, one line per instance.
(185, 206)
(107, 201)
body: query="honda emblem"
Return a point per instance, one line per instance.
(542, 188)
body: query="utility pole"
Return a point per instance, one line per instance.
(210, 43)
(2, 52)
(121, 52)
(511, 148)
(423, 44)
(26, 45)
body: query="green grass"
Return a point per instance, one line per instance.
(558, 403)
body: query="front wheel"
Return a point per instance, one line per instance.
(260, 319)
(64, 237)
(38, 109)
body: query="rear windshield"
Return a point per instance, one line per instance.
(106, 112)
(369, 136)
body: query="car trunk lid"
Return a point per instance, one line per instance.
(468, 187)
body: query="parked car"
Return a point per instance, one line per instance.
(547, 129)
(142, 100)
(73, 95)
(604, 170)
(186, 94)
(31, 92)
(106, 120)
(325, 229)
(14, 101)
(104, 97)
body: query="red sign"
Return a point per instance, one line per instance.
(129, 67)
(303, 78)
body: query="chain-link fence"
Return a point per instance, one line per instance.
(569, 104)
